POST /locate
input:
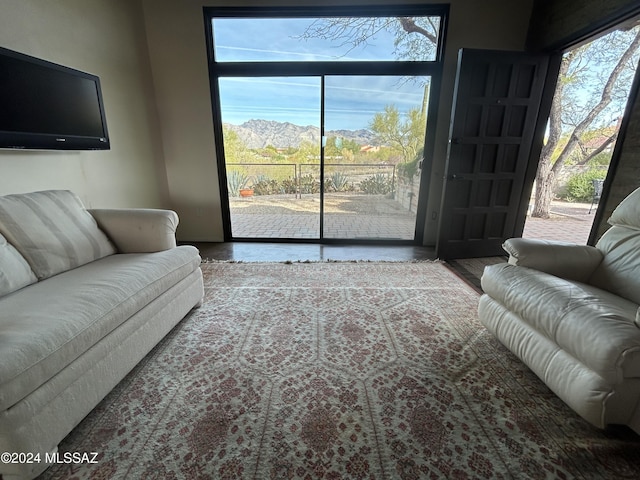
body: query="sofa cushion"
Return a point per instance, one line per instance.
(619, 271)
(592, 325)
(52, 230)
(15, 272)
(45, 327)
(566, 260)
(627, 213)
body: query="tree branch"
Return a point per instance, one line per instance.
(409, 25)
(605, 99)
(599, 150)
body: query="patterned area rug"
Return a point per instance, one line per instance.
(338, 371)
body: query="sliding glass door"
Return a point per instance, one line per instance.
(371, 177)
(323, 123)
(271, 136)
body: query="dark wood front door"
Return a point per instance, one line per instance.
(498, 108)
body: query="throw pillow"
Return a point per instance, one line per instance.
(52, 230)
(15, 272)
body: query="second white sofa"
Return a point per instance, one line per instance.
(570, 312)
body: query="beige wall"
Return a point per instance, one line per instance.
(106, 38)
(175, 32)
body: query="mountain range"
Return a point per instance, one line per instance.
(260, 133)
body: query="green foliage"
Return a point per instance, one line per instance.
(235, 181)
(378, 184)
(409, 169)
(340, 147)
(337, 182)
(602, 159)
(307, 183)
(306, 153)
(580, 186)
(404, 133)
(235, 150)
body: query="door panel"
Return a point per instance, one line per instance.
(278, 163)
(497, 103)
(361, 184)
(367, 192)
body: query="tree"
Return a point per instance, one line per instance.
(336, 146)
(404, 136)
(416, 38)
(572, 118)
(235, 151)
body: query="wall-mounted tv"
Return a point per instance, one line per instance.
(48, 106)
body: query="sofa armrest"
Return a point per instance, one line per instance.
(138, 230)
(565, 260)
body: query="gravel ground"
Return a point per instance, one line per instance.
(578, 211)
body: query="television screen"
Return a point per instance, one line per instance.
(47, 106)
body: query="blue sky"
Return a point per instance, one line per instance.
(351, 101)
(277, 39)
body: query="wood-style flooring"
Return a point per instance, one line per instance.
(469, 271)
(294, 252)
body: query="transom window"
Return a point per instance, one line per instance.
(333, 39)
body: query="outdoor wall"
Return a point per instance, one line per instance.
(552, 23)
(106, 38)
(627, 174)
(562, 22)
(175, 32)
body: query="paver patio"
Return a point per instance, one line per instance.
(375, 217)
(345, 217)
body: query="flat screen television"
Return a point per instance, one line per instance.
(48, 106)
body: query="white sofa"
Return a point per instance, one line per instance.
(84, 296)
(570, 312)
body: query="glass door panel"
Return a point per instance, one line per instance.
(271, 138)
(374, 141)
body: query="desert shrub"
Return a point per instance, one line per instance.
(580, 185)
(235, 181)
(308, 184)
(338, 182)
(378, 184)
(289, 185)
(266, 186)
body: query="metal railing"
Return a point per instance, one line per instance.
(297, 181)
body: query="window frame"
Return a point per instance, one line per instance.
(431, 68)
